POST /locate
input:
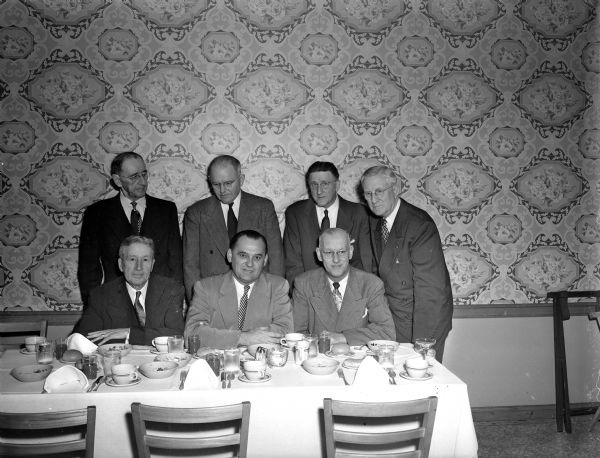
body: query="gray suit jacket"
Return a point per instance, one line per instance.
(205, 239)
(302, 233)
(364, 314)
(215, 302)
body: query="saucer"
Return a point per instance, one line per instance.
(24, 351)
(243, 378)
(405, 375)
(111, 382)
(156, 352)
(331, 355)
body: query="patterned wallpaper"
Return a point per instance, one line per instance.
(486, 109)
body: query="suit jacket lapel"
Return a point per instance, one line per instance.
(227, 304)
(116, 219)
(323, 304)
(215, 225)
(351, 296)
(153, 300)
(150, 216)
(310, 222)
(343, 219)
(397, 231)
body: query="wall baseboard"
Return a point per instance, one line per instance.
(524, 413)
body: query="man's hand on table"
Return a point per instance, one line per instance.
(259, 336)
(103, 336)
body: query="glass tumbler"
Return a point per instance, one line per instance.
(60, 347)
(175, 344)
(385, 356)
(214, 361)
(277, 357)
(193, 344)
(109, 359)
(44, 353)
(231, 360)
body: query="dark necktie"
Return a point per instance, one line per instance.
(325, 221)
(139, 310)
(243, 307)
(136, 220)
(385, 233)
(231, 222)
(337, 295)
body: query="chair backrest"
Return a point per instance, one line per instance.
(235, 416)
(13, 333)
(560, 300)
(379, 434)
(19, 426)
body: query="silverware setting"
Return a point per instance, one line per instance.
(94, 386)
(223, 380)
(230, 377)
(340, 373)
(182, 376)
(392, 375)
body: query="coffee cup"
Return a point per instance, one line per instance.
(291, 339)
(416, 367)
(123, 374)
(254, 369)
(161, 344)
(31, 343)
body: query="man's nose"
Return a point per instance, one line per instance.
(138, 264)
(250, 262)
(335, 256)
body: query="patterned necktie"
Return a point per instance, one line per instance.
(385, 233)
(337, 295)
(243, 307)
(325, 221)
(231, 222)
(139, 310)
(136, 220)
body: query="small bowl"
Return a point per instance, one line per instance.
(374, 344)
(123, 348)
(158, 369)
(320, 365)
(31, 372)
(181, 358)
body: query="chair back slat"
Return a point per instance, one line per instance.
(189, 443)
(13, 333)
(409, 454)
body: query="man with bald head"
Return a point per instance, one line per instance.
(408, 257)
(347, 302)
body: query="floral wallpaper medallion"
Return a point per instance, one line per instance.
(66, 90)
(118, 137)
(549, 186)
(368, 21)
(16, 137)
(270, 20)
(15, 43)
(367, 95)
(548, 264)
(508, 54)
(507, 141)
(66, 17)
(269, 93)
(459, 185)
(319, 49)
(318, 139)
(589, 143)
(4, 184)
(590, 57)
(4, 91)
(504, 228)
(414, 140)
(17, 230)
(463, 21)
(461, 97)
(170, 92)
(118, 44)
(470, 268)
(415, 51)
(587, 229)
(220, 138)
(554, 23)
(220, 47)
(552, 99)
(170, 18)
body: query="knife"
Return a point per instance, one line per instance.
(223, 380)
(182, 376)
(95, 385)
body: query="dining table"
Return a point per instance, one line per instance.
(286, 417)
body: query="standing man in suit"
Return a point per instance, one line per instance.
(410, 261)
(244, 306)
(210, 224)
(138, 306)
(306, 219)
(107, 222)
(347, 302)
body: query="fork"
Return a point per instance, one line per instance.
(182, 376)
(392, 375)
(230, 377)
(340, 373)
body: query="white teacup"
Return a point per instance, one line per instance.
(291, 339)
(31, 342)
(254, 365)
(416, 367)
(123, 374)
(255, 375)
(161, 344)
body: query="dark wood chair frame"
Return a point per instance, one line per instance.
(21, 326)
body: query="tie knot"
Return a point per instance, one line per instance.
(336, 285)
(326, 212)
(138, 294)
(230, 205)
(246, 289)
(133, 204)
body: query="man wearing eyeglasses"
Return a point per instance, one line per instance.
(131, 212)
(210, 224)
(410, 261)
(347, 302)
(306, 219)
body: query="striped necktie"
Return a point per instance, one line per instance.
(139, 310)
(385, 233)
(136, 220)
(325, 221)
(243, 307)
(337, 295)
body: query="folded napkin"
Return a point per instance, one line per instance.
(78, 342)
(200, 377)
(67, 379)
(370, 373)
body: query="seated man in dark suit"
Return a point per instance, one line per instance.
(131, 212)
(347, 302)
(244, 306)
(136, 307)
(305, 219)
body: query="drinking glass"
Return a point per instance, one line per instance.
(109, 359)
(277, 357)
(385, 356)
(231, 360)
(193, 344)
(423, 344)
(313, 342)
(44, 352)
(60, 347)
(89, 366)
(175, 344)
(214, 361)
(324, 342)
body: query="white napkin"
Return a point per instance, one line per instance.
(78, 342)
(200, 377)
(67, 379)
(370, 373)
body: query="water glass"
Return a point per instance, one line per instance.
(44, 353)
(385, 356)
(277, 357)
(175, 344)
(60, 347)
(193, 344)
(214, 361)
(313, 349)
(231, 360)
(324, 342)
(89, 366)
(109, 359)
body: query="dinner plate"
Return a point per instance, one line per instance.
(403, 374)
(243, 378)
(111, 382)
(27, 352)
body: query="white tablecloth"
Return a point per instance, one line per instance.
(286, 415)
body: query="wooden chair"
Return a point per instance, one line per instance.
(51, 425)
(169, 418)
(13, 333)
(595, 316)
(369, 436)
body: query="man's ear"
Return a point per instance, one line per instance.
(242, 178)
(350, 251)
(117, 180)
(265, 260)
(318, 251)
(229, 255)
(152, 266)
(120, 264)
